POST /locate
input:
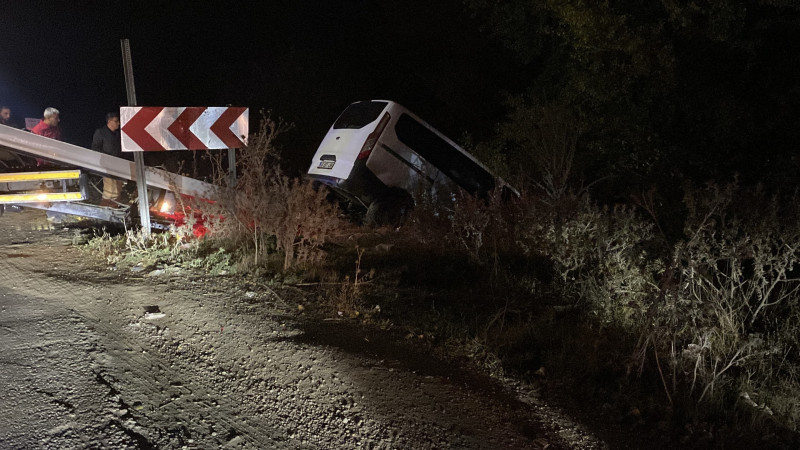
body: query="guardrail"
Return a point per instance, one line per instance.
(105, 165)
(43, 186)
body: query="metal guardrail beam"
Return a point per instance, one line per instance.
(61, 152)
(41, 197)
(110, 215)
(44, 186)
(40, 176)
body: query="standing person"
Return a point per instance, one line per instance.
(48, 127)
(7, 157)
(5, 117)
(107, 140)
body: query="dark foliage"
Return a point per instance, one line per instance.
(660, 90)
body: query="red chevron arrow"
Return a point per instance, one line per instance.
(222, 127)
(180, 128)
(135, 128)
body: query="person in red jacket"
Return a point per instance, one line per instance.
(48, 127)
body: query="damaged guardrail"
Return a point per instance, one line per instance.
(100, 163)
(42, 186)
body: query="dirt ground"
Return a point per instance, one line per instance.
(96, 357)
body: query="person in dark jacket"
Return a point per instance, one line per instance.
(107, 140)
(5, 117)
(8, 158)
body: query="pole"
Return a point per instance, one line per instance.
(232, 167)
(138, 157)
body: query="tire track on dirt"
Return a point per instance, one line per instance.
(50, 399)
(134, 370)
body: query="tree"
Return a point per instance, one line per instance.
(660, 89)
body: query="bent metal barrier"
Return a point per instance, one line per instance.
(100, 163)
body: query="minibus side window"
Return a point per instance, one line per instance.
(359, 115)
(448, 159)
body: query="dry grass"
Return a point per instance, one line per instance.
(267, 211)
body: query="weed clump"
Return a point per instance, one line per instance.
(175, 247)
(267, 214)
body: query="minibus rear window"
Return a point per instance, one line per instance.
(359, 115)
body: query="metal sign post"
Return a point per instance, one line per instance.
(232, 167)
(138, 157)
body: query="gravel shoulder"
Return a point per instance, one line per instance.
(95, 357)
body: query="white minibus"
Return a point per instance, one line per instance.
(379, 155)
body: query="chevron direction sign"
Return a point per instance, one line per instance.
(158, 128)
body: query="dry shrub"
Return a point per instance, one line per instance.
(348, 298)
(718, 319)
(134, 247)
(482, 229)
(341, 293)
(267, 210)
(600, 255)
(728, 322)
(547, 137)
(106, 246)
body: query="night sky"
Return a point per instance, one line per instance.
(303, 60)
(705, 91)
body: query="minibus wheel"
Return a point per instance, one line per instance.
(390, 209)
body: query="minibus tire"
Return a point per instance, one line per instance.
(389, 210)
(374, 214)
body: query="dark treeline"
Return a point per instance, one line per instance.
(654, 92)
(649, 92)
